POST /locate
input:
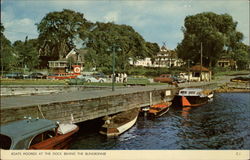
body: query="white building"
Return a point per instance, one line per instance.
(143, 62)
(165, 58)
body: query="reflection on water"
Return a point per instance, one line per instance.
(221, 124)
(184, 114)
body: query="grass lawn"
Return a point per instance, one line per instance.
(131, 81)
(32, 82)
(231, 73)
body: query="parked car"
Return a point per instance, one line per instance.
(89, 78)
(165, 78)
(184, 76)
(16, 75)
(99, 75)
(37, 75)
(179, 79)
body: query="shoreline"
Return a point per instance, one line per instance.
(234, 87)
(232, 91)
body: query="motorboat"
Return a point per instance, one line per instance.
(159, 109)
(117, 124)
(193, 97)
(35, 133)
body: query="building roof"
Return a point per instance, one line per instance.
(199, 68)
(82, 51)
(74, 53)
(164, 48)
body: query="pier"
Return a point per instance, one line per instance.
(82, 105)
(78, 103)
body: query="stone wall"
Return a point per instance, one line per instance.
(82, 110)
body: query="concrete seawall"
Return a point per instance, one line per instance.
(80, 106)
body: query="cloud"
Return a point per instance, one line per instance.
(156, 21)
(18, 29)
(112, 16)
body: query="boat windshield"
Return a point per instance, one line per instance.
(5, 142)
(191, 92)
(42, 137)
(183, 92)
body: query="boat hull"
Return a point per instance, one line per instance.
(194, 101)
(159, 109)
(60, 141)
(118, 124)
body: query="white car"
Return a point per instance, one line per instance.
(89, 78)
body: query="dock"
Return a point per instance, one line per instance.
(76, 104)
(82, 105)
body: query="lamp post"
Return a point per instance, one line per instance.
(188, 70)
(201, 64)
(114, 49)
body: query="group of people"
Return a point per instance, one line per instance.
(120, 78)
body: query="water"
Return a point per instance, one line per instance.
(221, 124)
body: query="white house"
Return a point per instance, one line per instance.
(74, 57)
(165, 58)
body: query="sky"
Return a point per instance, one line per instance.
(156, 20)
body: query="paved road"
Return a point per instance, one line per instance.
(31, 100)
(16, 101)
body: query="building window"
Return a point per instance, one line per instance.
(196, 74)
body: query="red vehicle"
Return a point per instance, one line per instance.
(164, 78)
(63, 76)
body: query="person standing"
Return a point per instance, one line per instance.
(125, 78)
(121, 77)
(116, 78)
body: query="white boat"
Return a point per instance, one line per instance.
(193, 97)
(119, 123)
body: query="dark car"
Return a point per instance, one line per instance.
(16, 75)
(179, 79)
(37, 76)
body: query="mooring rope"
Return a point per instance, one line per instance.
(39, 108)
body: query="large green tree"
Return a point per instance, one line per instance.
(7, 59)
(106, 36)
(212, 32)
(27, 53)
(241, 54)
(59, 30)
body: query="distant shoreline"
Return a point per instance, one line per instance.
(234, 87)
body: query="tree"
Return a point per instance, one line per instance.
(153, 48)
(58, 30)
(7, 59)
(109, 35)
(241, 55)
(215, 33)
(27, 53)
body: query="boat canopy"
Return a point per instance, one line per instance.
(191, 92)
(23, 129)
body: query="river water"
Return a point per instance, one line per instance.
(221, 124)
